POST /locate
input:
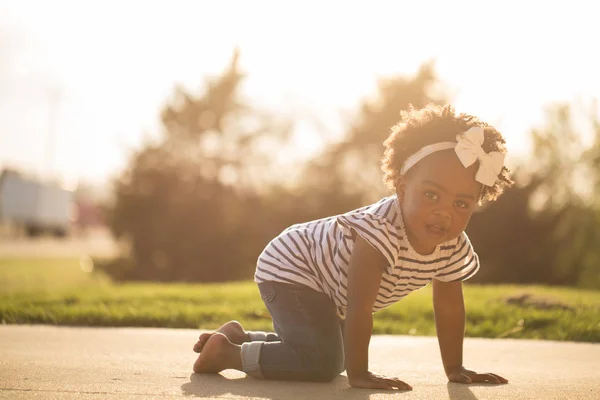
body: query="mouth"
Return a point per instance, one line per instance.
(436, 230)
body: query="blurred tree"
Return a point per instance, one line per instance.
(589, 275)
(545, 228)
(348, 173)
(201, 202)
(188, 204)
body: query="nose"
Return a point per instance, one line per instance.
(442, 213)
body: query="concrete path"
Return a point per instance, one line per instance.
(48, 362)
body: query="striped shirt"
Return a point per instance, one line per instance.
(317, 254)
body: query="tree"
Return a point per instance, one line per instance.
(348, 173)
(544, 229)
(188, 204)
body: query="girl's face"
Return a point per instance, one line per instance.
(437, 196)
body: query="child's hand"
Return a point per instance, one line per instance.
(463, 375)
(374, 381)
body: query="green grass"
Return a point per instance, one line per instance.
(58, 291)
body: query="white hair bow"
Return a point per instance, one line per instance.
(468, 149)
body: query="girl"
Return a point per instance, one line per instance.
(321, 281)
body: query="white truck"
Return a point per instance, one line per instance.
(35, 206)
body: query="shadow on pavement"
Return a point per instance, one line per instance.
(459, 391)
(207, 385)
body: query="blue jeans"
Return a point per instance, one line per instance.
(308, 344)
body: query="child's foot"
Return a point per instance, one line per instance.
(233, 330)
(218, 354)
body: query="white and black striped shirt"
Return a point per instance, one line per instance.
(317, 253)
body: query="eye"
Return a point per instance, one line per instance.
(462, 204)
(431, 195)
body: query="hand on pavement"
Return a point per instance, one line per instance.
(463, 375)
(374, 381)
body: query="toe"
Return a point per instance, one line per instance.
(201, 342)
(198, 346)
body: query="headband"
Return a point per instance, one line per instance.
(468, 149)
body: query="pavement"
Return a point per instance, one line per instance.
(49, 362)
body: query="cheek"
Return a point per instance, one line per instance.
(416, 208)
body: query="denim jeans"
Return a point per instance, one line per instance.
(308, 344)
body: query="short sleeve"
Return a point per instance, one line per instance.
(380, 233)
(462, 264)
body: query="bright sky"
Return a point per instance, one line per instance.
(114, 63)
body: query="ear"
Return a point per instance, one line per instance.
(400, 187)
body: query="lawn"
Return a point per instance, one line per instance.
(62, 292)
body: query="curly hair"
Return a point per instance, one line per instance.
(431, 124)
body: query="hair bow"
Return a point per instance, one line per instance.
(468, 149)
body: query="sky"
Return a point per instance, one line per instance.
(94, 74)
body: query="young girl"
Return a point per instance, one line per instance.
(321, 281)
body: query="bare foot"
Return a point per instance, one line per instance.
(218, 354)
(233, 330)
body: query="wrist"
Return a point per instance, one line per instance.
(356, 373)
(453, 368)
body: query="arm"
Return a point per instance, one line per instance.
(364, 276)
(449, 311)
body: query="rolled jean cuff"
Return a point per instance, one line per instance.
(257, 336)
(251, 358)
